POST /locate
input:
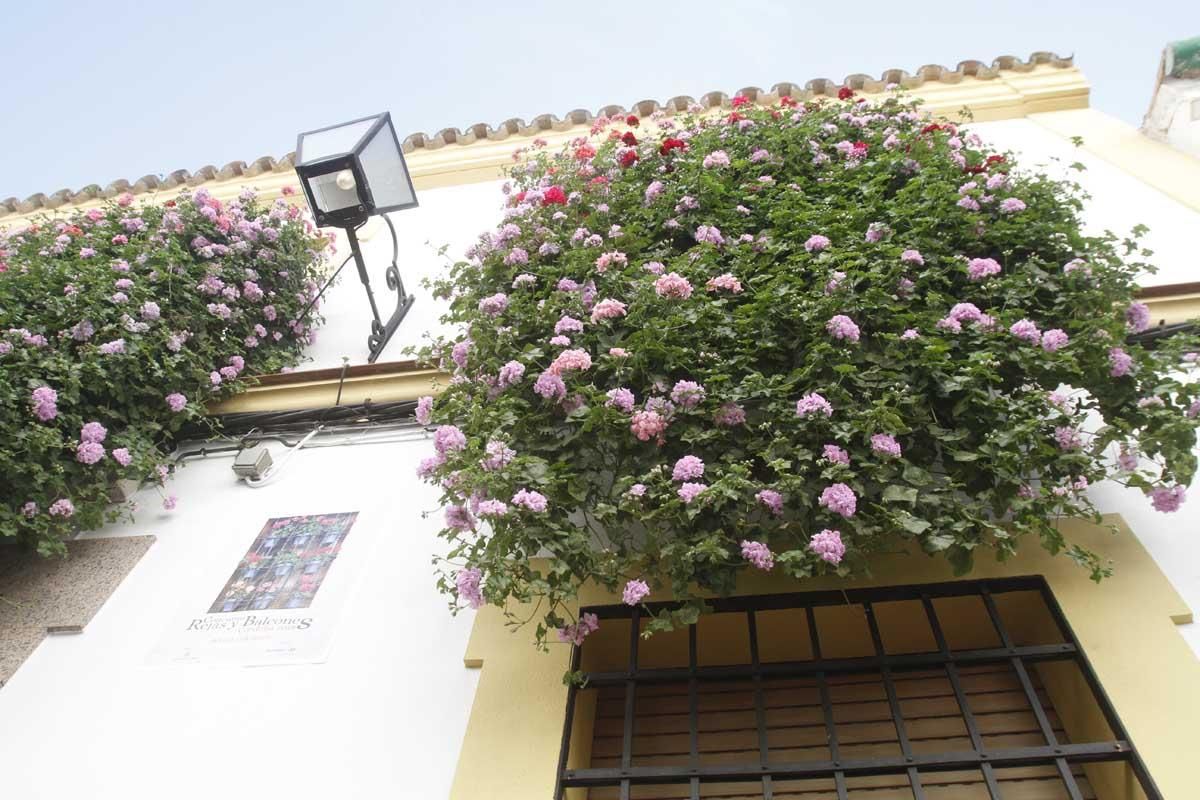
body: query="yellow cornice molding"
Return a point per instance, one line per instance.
(1182, 307)
(992, 95)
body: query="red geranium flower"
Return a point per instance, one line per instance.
(632, 121)
(860, 149)
(670, 144)
(516, 199)
(740, 100)
(995, 160)
(584, 152)
(845, 93)
(734, 117)
(171, 203)
(554, 196)
(629, 139)
(628, 158)
(788, 102)
(931, 127)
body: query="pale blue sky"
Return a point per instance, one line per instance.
(121, 89)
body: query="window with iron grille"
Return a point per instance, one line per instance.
(953, 691)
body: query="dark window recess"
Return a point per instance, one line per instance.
(971, 690)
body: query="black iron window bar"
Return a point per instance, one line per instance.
(1061, 756)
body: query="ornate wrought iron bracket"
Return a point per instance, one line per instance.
(381, 332)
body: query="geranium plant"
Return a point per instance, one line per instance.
(776, 339)
(118, 324)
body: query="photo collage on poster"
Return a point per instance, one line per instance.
(286, 564)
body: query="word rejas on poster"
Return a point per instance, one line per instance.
(258, 623)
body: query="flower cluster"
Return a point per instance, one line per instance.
(813, 404)
(828, 545)
(757, 361)
(467, 584)
(842, 327)
(635, 592)
(113, 320)
(576, 632)
(758, 554)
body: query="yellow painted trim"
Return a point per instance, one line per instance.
(1177, 308)
(383, 388)
(1171, 171)
(1126, 626)
(1011, 94)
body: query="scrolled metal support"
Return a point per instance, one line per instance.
(381, 332)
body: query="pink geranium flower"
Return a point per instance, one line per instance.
(674, 286)
(687, 468)
(828, 546)
(816, 243)
(840, 499)
(980, 268)
(635, 591)
(758, 554)
(842, 327)
(608, 308)
(813, 404)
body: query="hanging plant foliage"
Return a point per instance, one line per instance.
(778, 339)
(118, 324)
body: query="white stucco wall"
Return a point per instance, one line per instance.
(385, 715)
(86, 717)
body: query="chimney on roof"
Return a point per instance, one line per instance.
(1174, 115)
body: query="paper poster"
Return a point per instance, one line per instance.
(279, 604)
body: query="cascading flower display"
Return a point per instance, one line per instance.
(831, 324)
(95, 383)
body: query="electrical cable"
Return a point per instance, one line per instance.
(276, 469)
(239, 425)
